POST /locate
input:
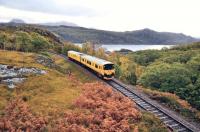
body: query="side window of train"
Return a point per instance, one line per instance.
(96, 65)
(89, 62)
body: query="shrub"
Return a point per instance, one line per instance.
(145, 58)
(166, 77)
(18, 117)
(101, 109)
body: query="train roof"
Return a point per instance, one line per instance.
(92, 58)
(74, 52)
(95, 59)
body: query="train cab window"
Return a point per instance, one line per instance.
(108, 66)
(96, 65)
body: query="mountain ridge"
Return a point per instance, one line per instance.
(77, 34)
(144, 36)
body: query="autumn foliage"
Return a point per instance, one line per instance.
(97, 109)
(18, 117)
(101, 110)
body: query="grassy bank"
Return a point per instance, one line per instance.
(46, 94)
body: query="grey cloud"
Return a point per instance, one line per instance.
(48, 6)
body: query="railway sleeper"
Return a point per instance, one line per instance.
(124, 90)
(163, 117)
(168, 121)
(144, 103)
(128, 94)
(136, 98)
(177, 126)
(117, 87)
(159, 114)
(151, 109)
(182, 130)
(140, 101)
(155, 111)
(147, 107)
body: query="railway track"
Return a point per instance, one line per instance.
(172, 122)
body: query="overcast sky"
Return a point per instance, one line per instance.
(181, 16)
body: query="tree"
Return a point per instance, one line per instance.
(70, 46)
(166, 77)
(23, 41)
(128, 69)
(88, 48)
(3, 40)
(39, 42)
(145, 58)
(100, 52)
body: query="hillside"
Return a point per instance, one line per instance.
(28, 38)
(145, 36)
(58, 102)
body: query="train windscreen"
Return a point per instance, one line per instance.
(108, 66)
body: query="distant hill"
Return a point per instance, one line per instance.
(17, 21)
(144, 36)
(62, 23)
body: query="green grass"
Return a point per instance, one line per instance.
(150, 123)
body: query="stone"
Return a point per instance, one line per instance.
(11, 75)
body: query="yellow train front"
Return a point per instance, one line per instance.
(102, 68)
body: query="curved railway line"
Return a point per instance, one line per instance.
(173, 122)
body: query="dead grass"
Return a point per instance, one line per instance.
(18, 59)
(49, 92)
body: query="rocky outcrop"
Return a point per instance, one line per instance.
(12, 75)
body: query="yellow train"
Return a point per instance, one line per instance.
(102, 68)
